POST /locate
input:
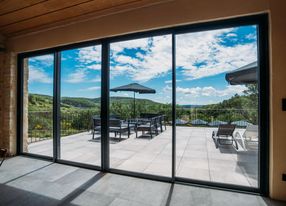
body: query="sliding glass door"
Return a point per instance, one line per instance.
(38, 72)
(80, 89)
(140, 105)
(217, 106)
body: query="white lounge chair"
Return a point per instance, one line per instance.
(249, 138)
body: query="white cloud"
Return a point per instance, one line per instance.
(88, 59)
(231, 35)
(39, 75)
(251, 36)
(201, 54)
(90, 54)
(90, 89)
(77, 77)
(96, 79)
(208, 91)
(170, 81)
(155, 61)
(44, 60)
(131, 44)
(94, 67)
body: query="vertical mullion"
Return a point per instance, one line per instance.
(20, 104)
(263, 88)
(173, 106)
(56, 107)
(105, 106)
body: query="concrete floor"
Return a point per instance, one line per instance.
(197, 156)
(26, 181)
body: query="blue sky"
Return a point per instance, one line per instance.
(202, 60)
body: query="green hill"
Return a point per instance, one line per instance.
(38, 102)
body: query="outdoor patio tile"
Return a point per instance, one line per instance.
(159, 168)
(224, 165)
(221, 156)
(201, 148)
(196, 163)
(88, 158)
(196, 154)
(121, 154)
(133, 165)
(228, 177)
(198, 174)
(115, 162)
(180, 151)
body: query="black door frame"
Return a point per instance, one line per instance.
(260, 20)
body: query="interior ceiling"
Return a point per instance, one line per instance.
(23, 16)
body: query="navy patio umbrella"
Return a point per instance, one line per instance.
(135, 88)
(243, 75)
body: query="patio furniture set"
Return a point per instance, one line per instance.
(148, 123)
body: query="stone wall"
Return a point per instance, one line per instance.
(8, 101)
(25, 105)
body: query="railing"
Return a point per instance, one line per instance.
(208, 116)
(40, 126)
(41, 122)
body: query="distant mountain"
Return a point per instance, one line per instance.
(43, 102)
(80, 102)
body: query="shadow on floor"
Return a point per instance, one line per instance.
(15, 196)
(81, 189)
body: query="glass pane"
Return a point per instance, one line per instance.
(80, 104)
(140, 114)
(217, 106)
(38, 105)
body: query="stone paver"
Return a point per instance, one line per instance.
(197, 157)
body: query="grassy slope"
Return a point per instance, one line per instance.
(39, 102)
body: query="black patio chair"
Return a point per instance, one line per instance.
(96, 126)
(161, 119)
(150, 125)
(3, 154)
(162, 122)
(119, 127)
(221, 136)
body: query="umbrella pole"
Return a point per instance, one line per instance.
(134, 112)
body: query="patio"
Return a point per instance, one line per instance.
(197, 156)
